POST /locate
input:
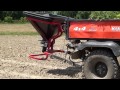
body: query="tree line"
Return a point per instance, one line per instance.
(91, 14)
(10, 16)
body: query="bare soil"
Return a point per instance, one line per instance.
(15, 63)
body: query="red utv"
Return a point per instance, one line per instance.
(100, 50)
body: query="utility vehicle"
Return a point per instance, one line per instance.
(95, 42)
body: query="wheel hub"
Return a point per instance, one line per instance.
(101, 69)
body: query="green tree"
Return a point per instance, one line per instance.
(14, 14)
(17, 15)
(83, 14)
(0, 15)
(104, 14)
(68, 13)
(76, 14)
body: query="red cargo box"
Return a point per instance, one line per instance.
(106, 29)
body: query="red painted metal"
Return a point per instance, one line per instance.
(95, 30)
(50, 41)
(36, 55)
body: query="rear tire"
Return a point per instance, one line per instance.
(100, 64)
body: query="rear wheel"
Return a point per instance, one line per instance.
(100, 64)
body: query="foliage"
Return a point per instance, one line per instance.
(17, 16)
(23, 19)
(14, 14)
(104, 14)
(8, 19)
(91, 14)
(118, 16)
(68, 13)
(83, 14)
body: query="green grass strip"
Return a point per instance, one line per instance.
(19, 33)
